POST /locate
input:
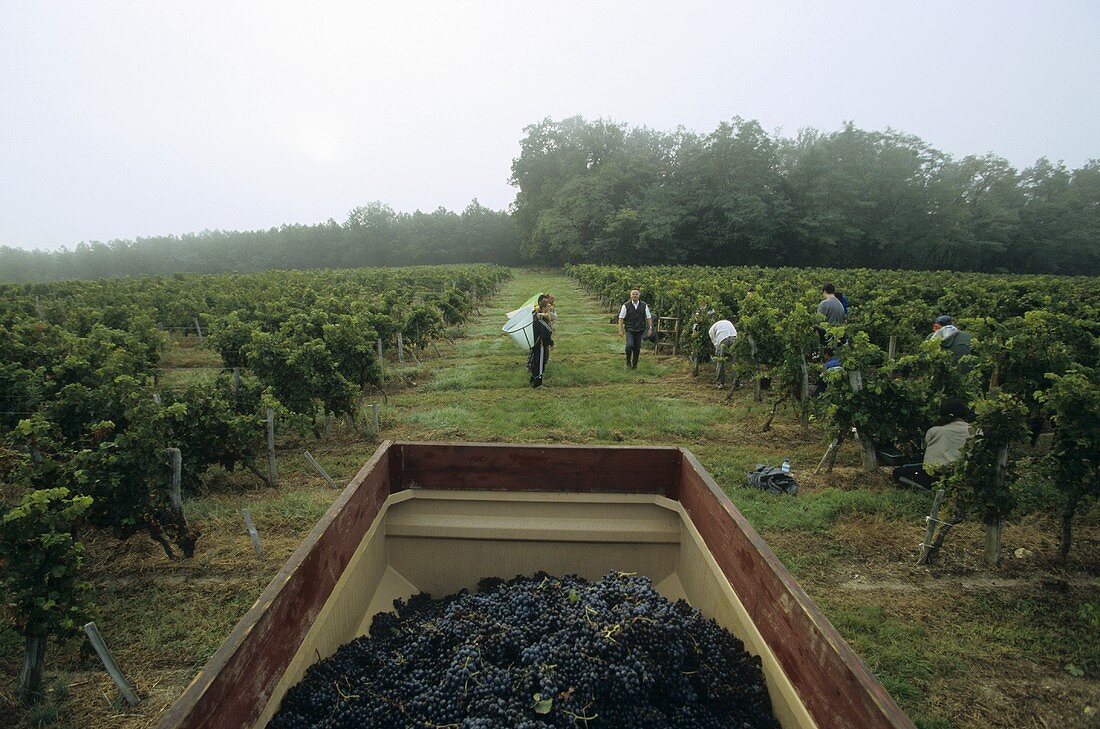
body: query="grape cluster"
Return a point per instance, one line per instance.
(536, 652)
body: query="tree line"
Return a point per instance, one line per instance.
(371, 235)
(604, 192)
(611, 193)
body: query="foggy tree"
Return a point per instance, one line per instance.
(602, 191)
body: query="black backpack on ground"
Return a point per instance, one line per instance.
(772, 480)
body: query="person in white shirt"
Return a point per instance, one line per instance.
(722, 335)
(635, 322)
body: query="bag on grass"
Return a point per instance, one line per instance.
(772, 480)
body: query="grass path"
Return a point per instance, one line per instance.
(480, 391)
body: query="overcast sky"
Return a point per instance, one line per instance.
(127, 119)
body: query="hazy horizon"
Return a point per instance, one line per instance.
(127, 119)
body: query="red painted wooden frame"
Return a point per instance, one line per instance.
(238, 680)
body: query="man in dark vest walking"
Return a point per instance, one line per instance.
(635, 322)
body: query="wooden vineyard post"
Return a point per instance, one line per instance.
(34, 662)
(933, 520)
(113, 670)
(829, 459)
(893, 347)
(400, 349)
(252, 533)
(272, 471)
(198, 330)
(176, 460)
(175, 493)
(236, 380)
(317, 467)
(175, 498)
(993, 528)
(805, 398)
(870, 456)
(993, 542)
(381, 362)
(757, 396)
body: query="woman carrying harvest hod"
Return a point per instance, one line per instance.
(543, 338)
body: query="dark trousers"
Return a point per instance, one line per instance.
(540, 355)
(633, 347)
(912, 474)
(724, 355)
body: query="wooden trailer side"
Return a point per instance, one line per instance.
(833, 682)
(512, 467)
(235, 684)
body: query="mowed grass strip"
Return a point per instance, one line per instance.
(576, 414)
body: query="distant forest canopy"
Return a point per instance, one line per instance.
(600, 191)
(605, 192)
(372, 235)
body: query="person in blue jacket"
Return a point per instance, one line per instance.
(843, 301)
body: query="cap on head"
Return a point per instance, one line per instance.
(956, 409)
(944, 320)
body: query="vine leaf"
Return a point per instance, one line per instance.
(542, 706)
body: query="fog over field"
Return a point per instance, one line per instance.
(131, 119)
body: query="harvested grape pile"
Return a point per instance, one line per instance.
(533, 653)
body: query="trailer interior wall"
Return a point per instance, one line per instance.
(439, 517)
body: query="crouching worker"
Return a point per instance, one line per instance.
(723, 335)
(943, 445)
(831, 362)
(544, 340)
(953, 339)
